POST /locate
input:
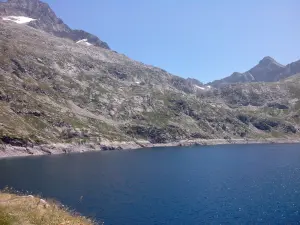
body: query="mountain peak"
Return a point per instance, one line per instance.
(267, 70)
(24, 1)
(269, 63)
(44, 18)
(267, 60)
(25, 4)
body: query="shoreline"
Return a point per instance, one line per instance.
(9, 151)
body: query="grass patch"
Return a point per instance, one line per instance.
(76, 122)
(158, 118)
(38, 123)
(5, 217)
(29, 210)
(274, 112)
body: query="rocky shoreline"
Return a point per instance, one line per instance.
(8, 151)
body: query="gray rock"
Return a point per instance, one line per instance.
(267, 70)
(46, 20)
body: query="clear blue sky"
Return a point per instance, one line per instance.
(204, 39)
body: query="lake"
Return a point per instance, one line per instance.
(233, 184)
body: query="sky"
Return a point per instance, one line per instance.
(202, 39)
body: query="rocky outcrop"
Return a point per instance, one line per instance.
(55, 149)
(46, 20)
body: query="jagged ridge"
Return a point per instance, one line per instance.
(46, 20)
(267, 70)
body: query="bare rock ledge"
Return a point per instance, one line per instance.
(8, 151)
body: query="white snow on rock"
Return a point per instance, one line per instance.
(18, 19)
(84, 41)
(202, 88)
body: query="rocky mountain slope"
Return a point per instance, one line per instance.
(267, 70)
(53, 90)
(45, 19)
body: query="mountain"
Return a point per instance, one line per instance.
(45, 19)
(53, 90)
(267, 70)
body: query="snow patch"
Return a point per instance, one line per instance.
(18, 19)
(202, 88)
(84, 41)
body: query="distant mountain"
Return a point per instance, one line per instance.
(42, 17)
(267, 70)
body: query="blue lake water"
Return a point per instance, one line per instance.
(234, 184)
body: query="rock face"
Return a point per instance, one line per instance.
(267, 70)
(46, 20)
(53, 90)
